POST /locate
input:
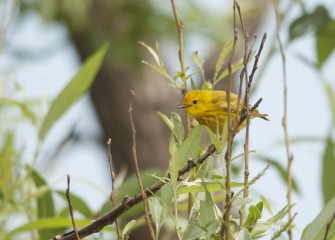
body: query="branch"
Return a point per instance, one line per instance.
(137, 170)
(225, 228)
(112, 196)
(129, 202)
(289, 155)
(328, 226)
(67, 193)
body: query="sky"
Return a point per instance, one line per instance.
(308, 115)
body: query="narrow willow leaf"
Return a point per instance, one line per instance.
(157, 212)
(331, 98)
(167, 121)
(174, 162)
(235, 66)
(281, 171)
(48, 224)
(262, 227)
(128, 228)
(78, 85)
(212, 185)
(328, 170)
(179, 128)
(316, 229)
(25, 109)
(78, 204)
(223, 55)
(193, 86)
(325, 43)
(243, 234)
(253, 215)
(45, 204)
(197, 59)
(161, 71)
(239, 201)
(190, 147)
(152, 52)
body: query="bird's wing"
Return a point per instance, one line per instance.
(221, 102)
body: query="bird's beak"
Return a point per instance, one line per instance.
(184, 106)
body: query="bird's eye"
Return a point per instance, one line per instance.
(195, 101)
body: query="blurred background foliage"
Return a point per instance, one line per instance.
(123, 23)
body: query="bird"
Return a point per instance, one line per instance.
(210, 108)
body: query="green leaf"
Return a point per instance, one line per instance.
(281, 171)
(48, 224)
(223, 55)
(78, 85)
(152, 52)
(328, 170)
(331, 98)
(174, 162)
(262, 227)
(157, 212)
(309, 22)
(243, 234)
(316, 229)
(239, 201)
(167, 121)
(45, 203)
(197, 59)
(253, 215)
(325, 43)
(190, 147)
(178, 127)
(207, 211)
(211, 185)
(78, 204)
(26, 111)
(193, 86)
(128, 228)
(129, 188)
(235, 66)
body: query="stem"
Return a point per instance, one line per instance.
(225, 230)
(137, 170)
(112, 196)
(67, 193)
(289, 156)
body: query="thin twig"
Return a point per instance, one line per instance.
(179, 24)
(112, 196)
(289, 155)
(225, 229)
(137, 170)
(67, 193)
(284, 122)
(284, 227)
(328, 226)
(129, 202)
(181, 54)
(247, 111)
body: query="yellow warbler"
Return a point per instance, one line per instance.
(210, 108)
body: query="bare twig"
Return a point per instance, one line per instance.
(137, 170)
(112, 196)
(129, 202)
(284, 227)
(225, 229)
(180, 25)
(328, 226)
(289, 155)
(67, 193)
(247, 111)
